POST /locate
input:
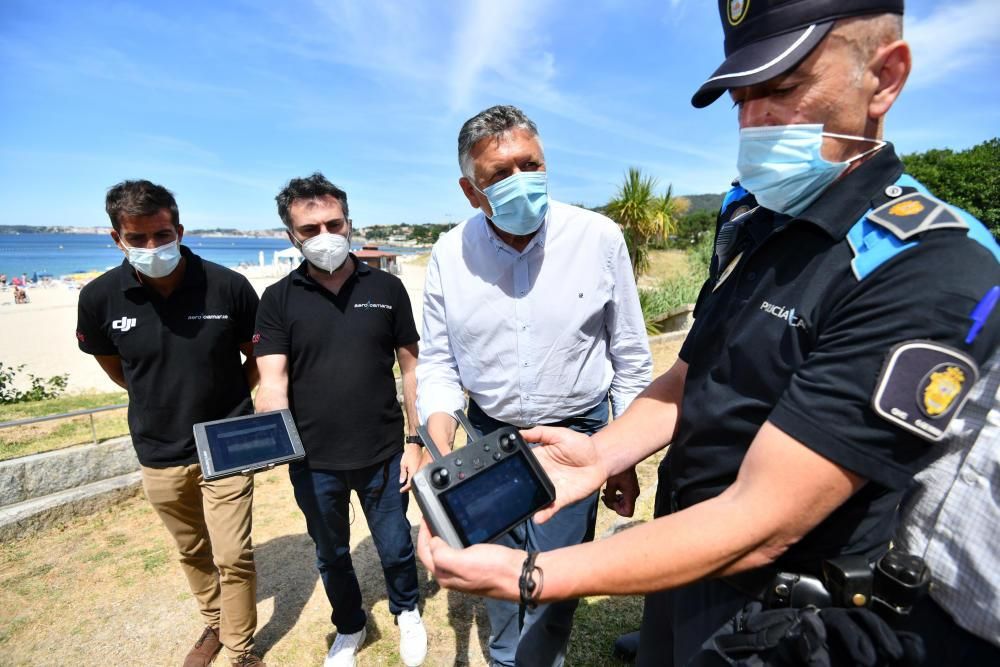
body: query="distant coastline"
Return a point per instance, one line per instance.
(209, 233)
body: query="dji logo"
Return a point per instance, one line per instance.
(124, 324)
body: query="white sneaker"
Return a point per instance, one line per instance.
(412, 638)
(344, 648)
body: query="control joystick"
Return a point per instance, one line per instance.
(508, 442)
(440, 478)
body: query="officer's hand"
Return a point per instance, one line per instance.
(621, 491)
(571, 462)
(409, 464)
(482, 569)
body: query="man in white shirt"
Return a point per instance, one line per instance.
(530, 306)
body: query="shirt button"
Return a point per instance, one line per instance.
(970, 477)
(525, 364)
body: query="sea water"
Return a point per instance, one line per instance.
(62, 254)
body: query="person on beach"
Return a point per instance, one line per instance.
(530, 306)
(170, 328)
(843, 323)
(326, 339)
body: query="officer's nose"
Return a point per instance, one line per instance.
(755, 112)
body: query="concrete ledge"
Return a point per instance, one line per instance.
(40, 475)
(37, 514)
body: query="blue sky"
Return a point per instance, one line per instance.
(224, 101)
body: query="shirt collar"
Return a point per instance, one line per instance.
(844, 202)
(301, 273)
(537, 240)
(194, 272)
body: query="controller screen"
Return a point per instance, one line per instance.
(246, 443)
(482, 507)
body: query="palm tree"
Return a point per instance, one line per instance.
(670, 210)
(642, 215)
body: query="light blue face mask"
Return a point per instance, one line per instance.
(154, 262)
(519, 202)
(783, 167)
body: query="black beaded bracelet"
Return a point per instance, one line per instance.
(530, 591)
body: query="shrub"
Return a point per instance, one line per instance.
(39, 389)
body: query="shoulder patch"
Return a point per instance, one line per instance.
(923, 386)
(914, 214)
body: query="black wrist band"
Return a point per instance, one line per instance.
(530, 591)
(414, 440)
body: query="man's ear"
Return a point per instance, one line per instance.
(180, 232)
(469, 191)
(891, 67)
(116, 238)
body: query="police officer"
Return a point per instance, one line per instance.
(840, 330)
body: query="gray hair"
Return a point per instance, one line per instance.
(493, 122)
(866, 35)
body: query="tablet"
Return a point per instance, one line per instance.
(241, 445)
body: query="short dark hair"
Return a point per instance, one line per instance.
(308, 188)
(139, 198)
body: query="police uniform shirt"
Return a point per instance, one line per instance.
(180, 354)
(341, 350)
(785, 331)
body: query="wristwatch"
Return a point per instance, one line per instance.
(414, 440)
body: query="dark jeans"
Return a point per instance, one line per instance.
(324, 497)
(542, 637)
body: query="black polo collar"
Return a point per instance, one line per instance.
(301, 273)
(194, 272)
(844, 202)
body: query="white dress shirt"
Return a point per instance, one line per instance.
(537, 336)
(953, 513)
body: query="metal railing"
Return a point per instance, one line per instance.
(66, 415)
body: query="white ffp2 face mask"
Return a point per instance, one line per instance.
(154, 262)
(327, 252)
(783, 166)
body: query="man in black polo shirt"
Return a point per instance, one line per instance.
(327, 336)
(169, 327)
(841, 328)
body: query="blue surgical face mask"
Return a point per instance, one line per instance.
(519, 202)
(154, 262)
(784, 168)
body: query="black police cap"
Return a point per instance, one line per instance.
(765, 38)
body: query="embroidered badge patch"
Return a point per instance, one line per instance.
(923, 386)
(915, 213)
(737, 11)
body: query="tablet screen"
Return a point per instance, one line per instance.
(495, 500)
(246, 443)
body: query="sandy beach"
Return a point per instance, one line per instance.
(40, 334)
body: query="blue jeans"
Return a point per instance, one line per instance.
(542, 637)
(324, 497)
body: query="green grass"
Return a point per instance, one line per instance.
(56, 434)
(678, 279)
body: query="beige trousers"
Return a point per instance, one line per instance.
(211, 521)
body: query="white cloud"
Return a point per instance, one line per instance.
(499, 39)
(952, 38)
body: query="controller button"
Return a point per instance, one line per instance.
(458, 462)
(477, 463)
(497, 456)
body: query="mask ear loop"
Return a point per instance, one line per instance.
(879, 143)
